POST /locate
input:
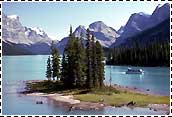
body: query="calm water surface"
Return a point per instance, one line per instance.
(17, 69)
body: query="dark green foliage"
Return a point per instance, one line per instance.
(154, 54)
(79, 62)
(80, 66)
(99, 64)
(45, 86)
(89, 79)
(64, 68)
(75, 62)
(94, 63)
(70, 57)
(49, 72)
(55, 63)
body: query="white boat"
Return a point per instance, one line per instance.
(134, 71)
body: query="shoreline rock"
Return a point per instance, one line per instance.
(159, 107)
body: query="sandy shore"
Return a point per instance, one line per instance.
(57, 97)
(70, 101)
(67, 99)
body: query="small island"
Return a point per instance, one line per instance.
(77, 80)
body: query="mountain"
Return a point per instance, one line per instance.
(121, 30)
(160, 14)
(159, 33)
(139, 22)
(136, 23)
(18, 39)
(104, 34)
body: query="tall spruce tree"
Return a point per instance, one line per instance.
(70, 56)
(64, 70)
(94, 63)
(55, 62)
(48, 71)
(100, 64)
(89, 81)
(79, 62)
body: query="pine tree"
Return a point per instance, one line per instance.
(79, 63)
(49, 72)
(100, 64)
(83, 58)
(94, 64)
(88, 62)
(55, 62)
(64, 68)
(70, 56)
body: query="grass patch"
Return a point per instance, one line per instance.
(124, 98)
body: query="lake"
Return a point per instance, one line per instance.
(16, 69)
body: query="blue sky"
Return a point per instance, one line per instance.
(56, 18)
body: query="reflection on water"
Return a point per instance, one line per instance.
(17, 69)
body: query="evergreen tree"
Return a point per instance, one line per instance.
(88, 62)
(83, 58)
(94, 63)
(100, 64)
(70, 56)
(49, 72)
(152, 54)
(64, 69)
(55, 62)
(79, 63)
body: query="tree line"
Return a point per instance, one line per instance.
(81, 65)
(154, 54)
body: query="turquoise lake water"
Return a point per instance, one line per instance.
(17, 69)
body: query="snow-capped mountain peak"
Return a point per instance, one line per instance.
(97, 26)
(38, 30)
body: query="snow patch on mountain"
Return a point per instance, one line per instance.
(15, 32)
(38, 30)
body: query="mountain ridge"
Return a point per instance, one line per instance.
(36, 41)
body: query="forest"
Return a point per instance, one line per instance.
(153, 54)
(81, 66)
